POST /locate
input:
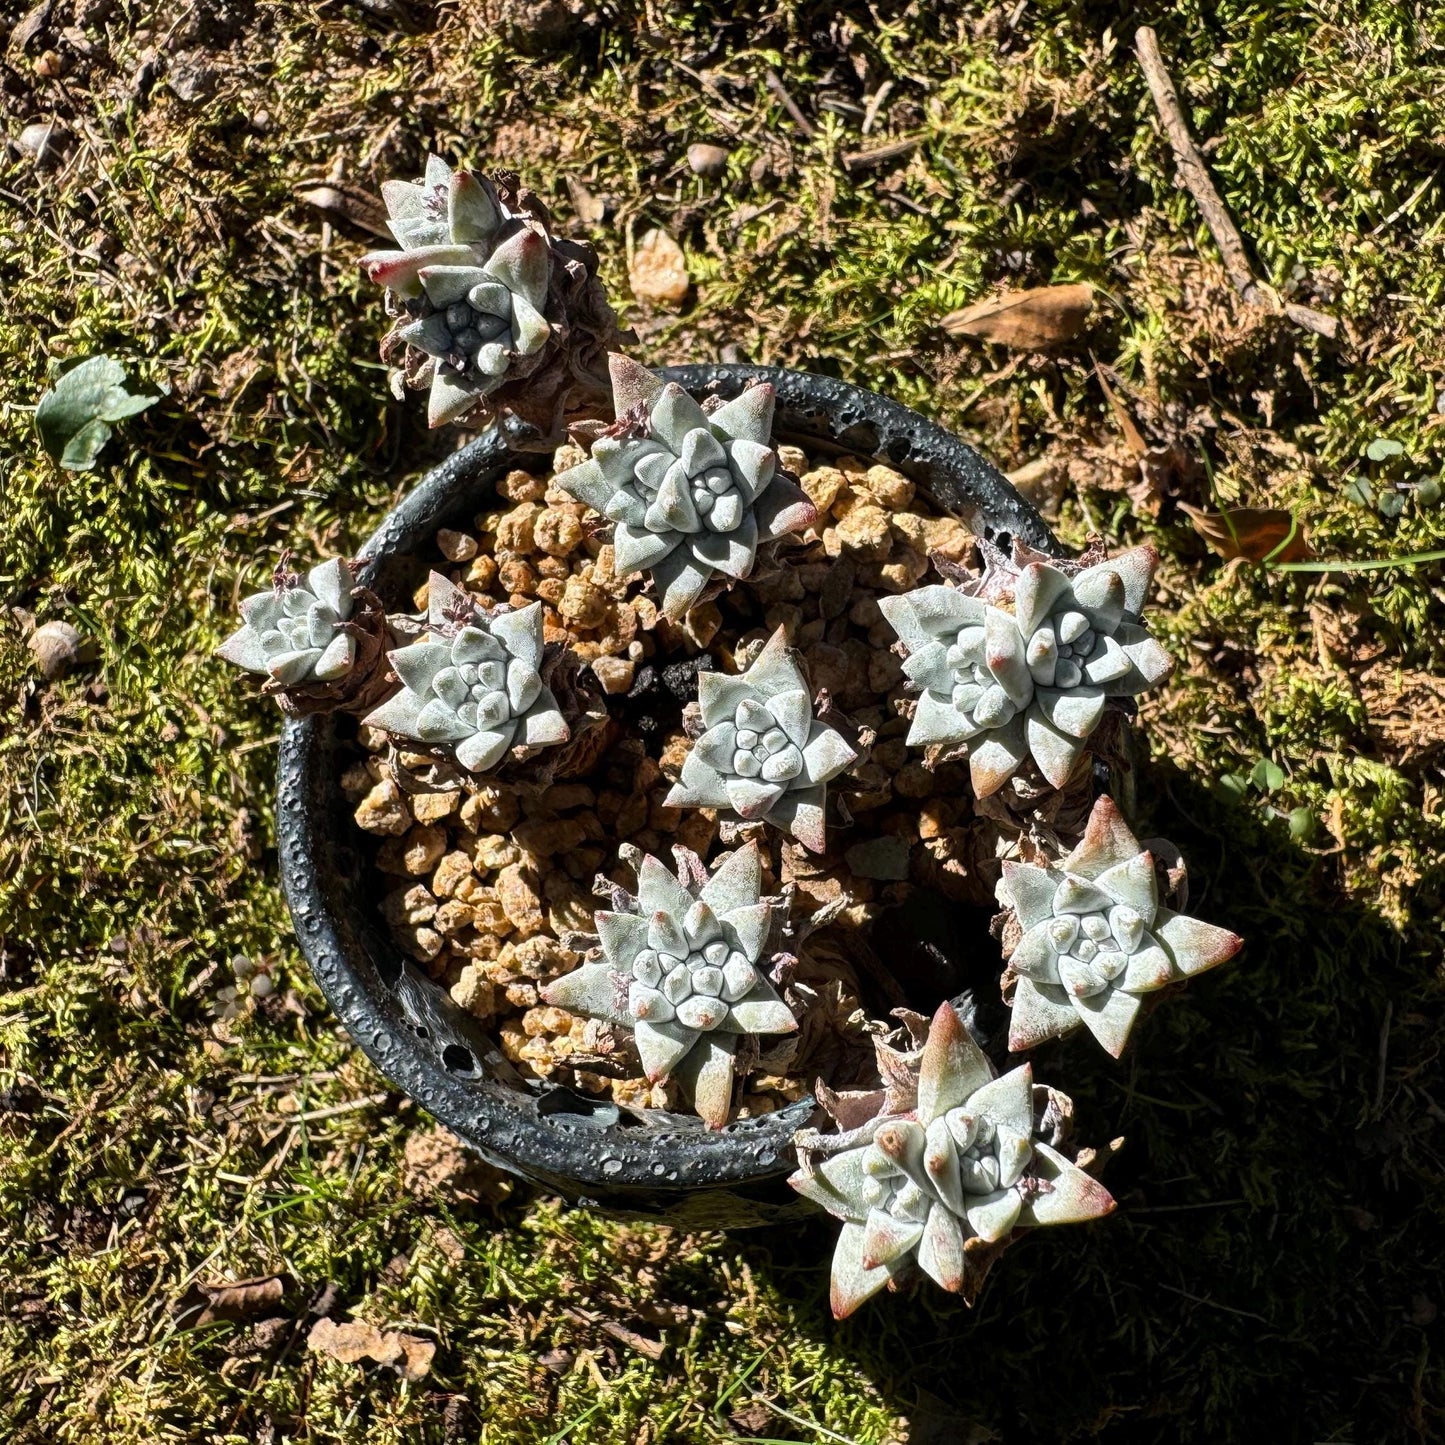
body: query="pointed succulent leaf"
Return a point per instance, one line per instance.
(952, 1067)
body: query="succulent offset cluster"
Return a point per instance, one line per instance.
(497, 313)
(1096, 938)
(474, 686)
(684, 969)
(1034, 681)
(692, 493)
(943, 1181)
(763, 753)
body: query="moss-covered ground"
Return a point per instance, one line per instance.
(1275, 1270)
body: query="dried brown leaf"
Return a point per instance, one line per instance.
(658, 270)
(1032, 320)
(590, 209)
(29, 26)
(241, 1299)
(347, 203)
(352, 1341)
(1133, 437)
(1254, 533)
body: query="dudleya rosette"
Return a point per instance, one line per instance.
(684, 970)
(474, 685)
(1096, 938)
(1034, 681)
(692, 493)
(295, 632)
(945, 1182)
(473, 276)
(763, 753)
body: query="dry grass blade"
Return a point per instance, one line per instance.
(1032, 320)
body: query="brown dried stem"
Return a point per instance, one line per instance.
(1196, 178)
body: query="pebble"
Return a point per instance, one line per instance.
(490, 810)
(582, 604)
(865, 532)
(456, 546)
(706, 160)
(520, 900)
(44, 142)
(557, 533)
(433, 807)
(451, 871)
(56, 648)
(824, 485)
(383, 810)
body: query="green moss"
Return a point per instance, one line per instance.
(1272, 1268)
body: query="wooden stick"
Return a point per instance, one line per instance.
(775, 84)
(1196, 178)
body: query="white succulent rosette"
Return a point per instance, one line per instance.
(692, 493)
(473, 685)
(1096, 938)
(476, 277)
(685, 972)
(295, 633)
(763, 753)
(947, 1183)
(1033, 682)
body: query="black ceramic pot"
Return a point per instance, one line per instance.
(406, 1024)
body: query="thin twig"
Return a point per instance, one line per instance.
(1196, 179)
(1380, 1075)
(775, 84)
(890, 151)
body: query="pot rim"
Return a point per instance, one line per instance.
(408, 1026)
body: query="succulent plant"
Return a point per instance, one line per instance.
(762, 752)
(1033, 682)
(497, 313)
(683, 965)
(1095, 938)
(295, 632)
(473, 685)
(692, 493)
(944, 1175)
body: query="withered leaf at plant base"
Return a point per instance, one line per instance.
(241, 1299)
(1255, 533)
(352, 1341)
(347, 203)
(1032, 320)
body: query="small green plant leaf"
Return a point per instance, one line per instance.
(74, 416)
(1427, 493)
(1234, 785)
(1266, 775)
(1301, 824)
(1383, 448)
(1357, 489)
(1391, 504)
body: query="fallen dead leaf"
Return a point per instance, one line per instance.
(1032, 320)
(589, 208)
(658, 272)
(352, 1341)
(241, 1299)
(347, 203)
(1251, 532)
